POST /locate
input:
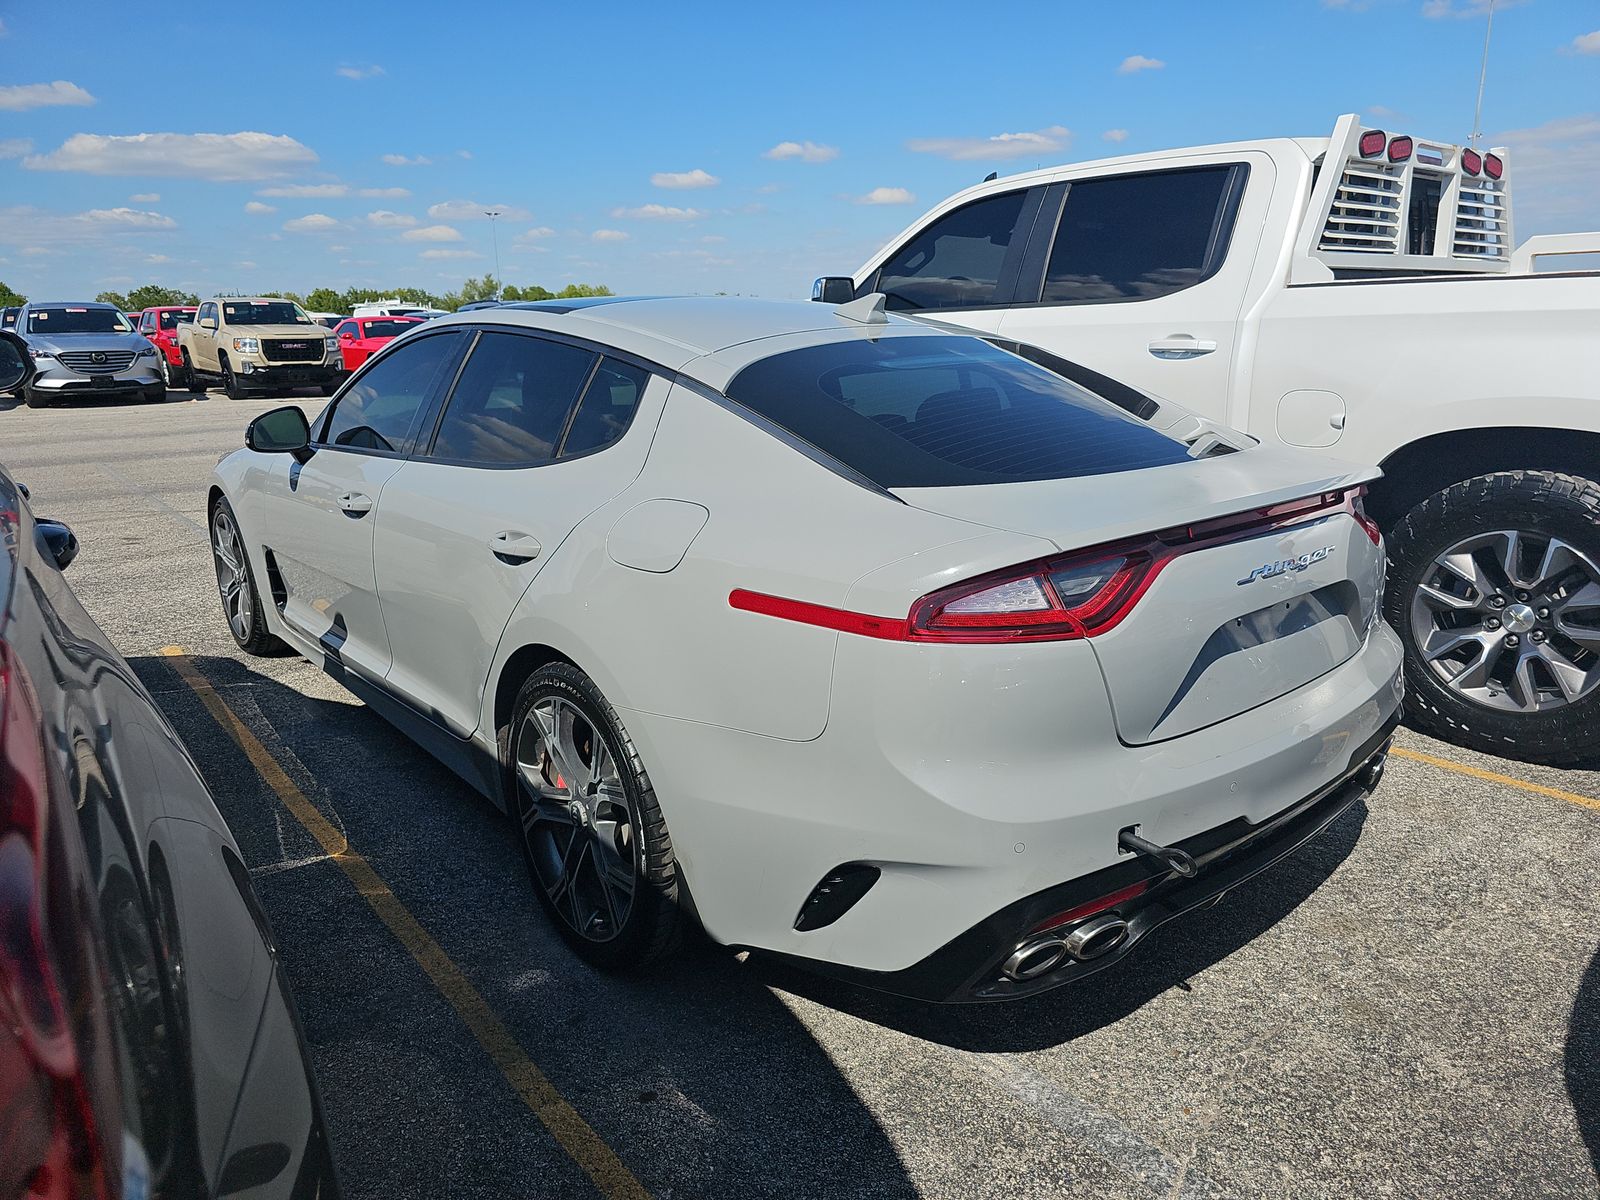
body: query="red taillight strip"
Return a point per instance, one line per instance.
(806, 613)
(1110, 900)
(1118, 595)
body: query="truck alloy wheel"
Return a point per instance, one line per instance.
(1496, 593)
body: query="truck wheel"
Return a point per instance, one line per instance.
(230, 383)
(183, 376)
(1494, 587)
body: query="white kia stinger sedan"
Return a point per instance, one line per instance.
(934, 662)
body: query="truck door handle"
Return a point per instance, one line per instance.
(514, 548)
(356, 504)
(1181, 345)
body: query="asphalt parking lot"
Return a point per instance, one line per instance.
(1409, 1007)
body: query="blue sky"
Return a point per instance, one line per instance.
(688, 148)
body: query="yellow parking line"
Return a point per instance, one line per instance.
(1510, 781)
(576, 1137)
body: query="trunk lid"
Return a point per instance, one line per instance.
(1229, 623)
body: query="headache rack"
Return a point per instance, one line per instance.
(1397, 205)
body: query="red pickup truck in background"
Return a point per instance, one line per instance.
(160, 325)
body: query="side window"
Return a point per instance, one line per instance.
(208, 312)
(380, 409)
(511, 404)
(147, 322)
(607, 408)
(1136, 237)
(956, 261)
(345, 327)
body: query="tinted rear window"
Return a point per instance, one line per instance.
(945, 411)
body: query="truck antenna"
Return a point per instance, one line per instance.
(1483, 74)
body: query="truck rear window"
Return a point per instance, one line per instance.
(945, 412)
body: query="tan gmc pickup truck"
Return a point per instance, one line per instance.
(253, 344)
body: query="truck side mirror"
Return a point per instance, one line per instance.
(208, 322)
(834, 289)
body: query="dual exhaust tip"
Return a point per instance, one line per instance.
(1093, 938)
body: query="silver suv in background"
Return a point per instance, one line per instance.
(87, 349)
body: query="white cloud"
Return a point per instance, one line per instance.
(388, 193)
(609, 235)
(432, 233)
(257, 209)
(145, 198)
(222, 157)
(535, 234)
(35, 228)
(3, 29)
(15, 147)
(1436, 9)
(384, 219)
(23, 96)
(887, 195)
(1115, 135)
(156, 260)
(471, 210)
(658, 212)
(400, 160)
(370, 71)
(684, 179)
(1587, 43)
(440, 253)
(1002, 145)
(712, 239)
(463, 153)
(311, 223)
(246, 265)
(1135, 63)
(811, 152)
(307, 191)
(1557, 168)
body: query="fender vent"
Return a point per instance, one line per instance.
(835, 895)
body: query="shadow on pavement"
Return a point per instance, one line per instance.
(1583, 1060)
(1164, 960)
(698, 1076)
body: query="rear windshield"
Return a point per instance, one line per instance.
(392, 327)
(944, 412)
(265, 312)
(171, 318)
(77, 320)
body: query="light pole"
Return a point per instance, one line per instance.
(494, 237)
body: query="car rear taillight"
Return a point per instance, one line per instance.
(1372, 143)
(1354, 500)
(1492, 166)
(1400, 148)
(1471, 162)
(1077, 596)
(49, 1145)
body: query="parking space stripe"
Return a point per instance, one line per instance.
(1510, 781)
(575, 1136)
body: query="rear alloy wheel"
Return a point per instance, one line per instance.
(1495, 589)
(591, 830)
(241, 601)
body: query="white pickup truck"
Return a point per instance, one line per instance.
(1359, 293)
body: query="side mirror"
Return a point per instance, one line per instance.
(56, 541)
(281, 431)
(16, 364)
(208, 322)
(347, 336)
(834, 289)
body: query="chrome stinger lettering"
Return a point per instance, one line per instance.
(1284, 565)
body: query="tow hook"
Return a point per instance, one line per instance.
(1170, 856)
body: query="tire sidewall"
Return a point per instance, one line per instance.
(566, 682)
(260, 638)
(1540, 503)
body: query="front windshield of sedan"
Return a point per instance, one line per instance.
(265, 312)
(173, 317)
(77, 320)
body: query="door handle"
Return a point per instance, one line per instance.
(1181, 345)
(514, 548)
(356, 504)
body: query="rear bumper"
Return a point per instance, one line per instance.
(971, 968)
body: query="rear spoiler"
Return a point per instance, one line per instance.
(1395, 204)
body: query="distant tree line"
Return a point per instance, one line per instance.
(325, 299)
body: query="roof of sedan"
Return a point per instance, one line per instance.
(676, 330)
